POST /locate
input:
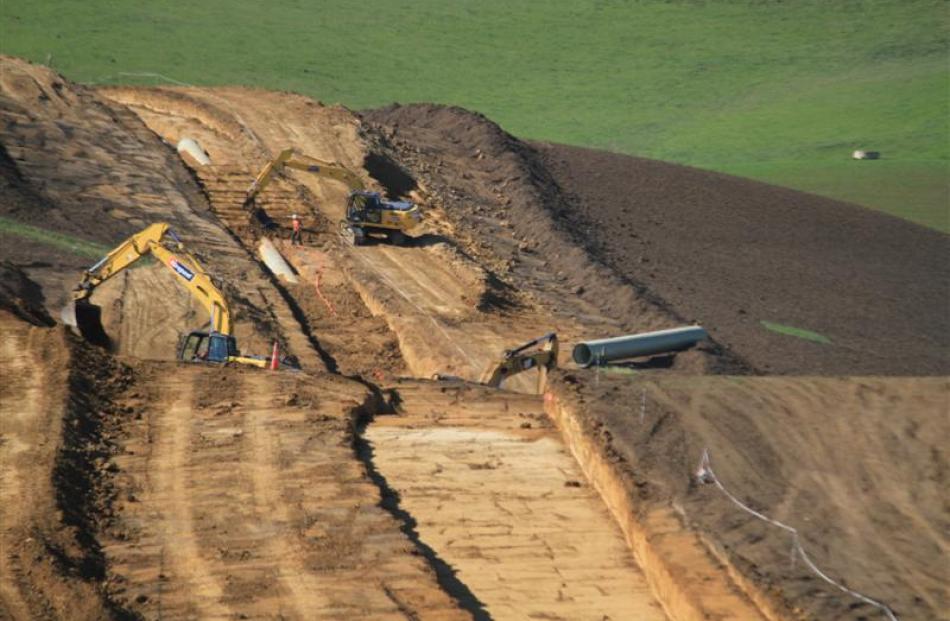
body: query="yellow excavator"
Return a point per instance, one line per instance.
(543, 357)
(214, 345)
(540, 353)
(367, 213)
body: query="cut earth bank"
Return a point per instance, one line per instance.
(339, 521)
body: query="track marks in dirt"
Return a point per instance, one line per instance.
(496, 496)
(243, 496)
(23, 407)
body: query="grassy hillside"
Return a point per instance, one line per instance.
(781, 91)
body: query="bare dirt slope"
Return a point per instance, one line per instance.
(27, 505)
(232, 493)
(686, 245)
(855, 464)
(94, 172)
(226, 492)
(527, 206)
(240, 496)
(429, 294)
(52, 447)
(448, 315)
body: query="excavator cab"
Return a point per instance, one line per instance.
(199, 346)
(368, 213)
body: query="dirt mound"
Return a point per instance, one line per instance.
(506, 209)
(56, 413)
(855, 464)
(21, 296)
(87, 173)
(653, 244)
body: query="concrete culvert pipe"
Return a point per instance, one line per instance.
(193, 149)
(275, 261)
(634, 345)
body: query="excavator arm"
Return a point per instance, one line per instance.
(520, 359)
(288, 159)
(214, 345)
(152, 240)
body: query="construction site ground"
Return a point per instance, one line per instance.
(138, 487)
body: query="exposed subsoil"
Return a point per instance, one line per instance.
(57, 407)
(855, 464)
(169, 490)
(685, 245)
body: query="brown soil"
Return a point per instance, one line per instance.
(731, 253)
(178, 490)
(687, 245)
(92, 170)
(504, 207)
(56, 400)
(855, 464)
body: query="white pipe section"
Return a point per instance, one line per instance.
(192, 148)
(634, 345)
(273, 259)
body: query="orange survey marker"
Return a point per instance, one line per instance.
(274, 360)
(316, 284)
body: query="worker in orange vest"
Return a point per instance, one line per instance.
(295, 236)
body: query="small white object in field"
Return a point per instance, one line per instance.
(866, 155)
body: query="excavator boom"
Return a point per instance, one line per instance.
(287, 158)
(152, 240)
(540, 353)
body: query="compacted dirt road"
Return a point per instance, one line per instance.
(494, 492)
(241, 498)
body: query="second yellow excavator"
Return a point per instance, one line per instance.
(542, 357)
(367, 213)
(216, 344)
(540, 353)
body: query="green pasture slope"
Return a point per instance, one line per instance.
(777, 90)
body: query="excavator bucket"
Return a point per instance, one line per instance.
(86, 319)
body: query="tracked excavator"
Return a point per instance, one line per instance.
(214, 345)
(367, 214)
(540, 353)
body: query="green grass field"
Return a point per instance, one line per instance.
(780, 91)
(59, 241)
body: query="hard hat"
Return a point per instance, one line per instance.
(294, 216)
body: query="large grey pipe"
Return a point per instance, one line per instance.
(633, 345)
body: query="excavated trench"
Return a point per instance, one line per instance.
(479, 481)
(208, 492)
(481, 486)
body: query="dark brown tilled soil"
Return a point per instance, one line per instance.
(732, 253)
